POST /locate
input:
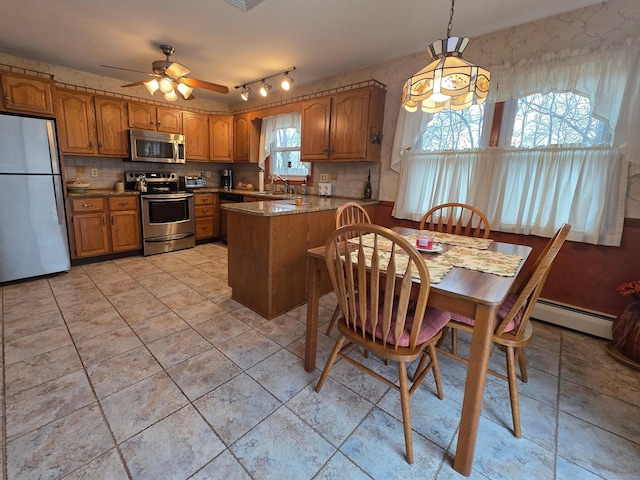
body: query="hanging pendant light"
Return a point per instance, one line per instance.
(448, 81)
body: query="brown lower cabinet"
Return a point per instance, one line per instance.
(103, 225)
(268, 258)
(207, 217)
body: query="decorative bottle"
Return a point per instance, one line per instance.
(367, 188)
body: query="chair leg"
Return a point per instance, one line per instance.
(436, 371)
(522, 362)
(421, 365)
(454, 341)
(330, 361)
(406, 409)
(513, 391)
(441, 340)
(336, 313)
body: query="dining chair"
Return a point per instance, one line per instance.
(459, 219)
(350, 212)
(513, 329)
(456, 218)
(379, 311)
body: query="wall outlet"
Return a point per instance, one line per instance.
(324, 177)
(94, 172)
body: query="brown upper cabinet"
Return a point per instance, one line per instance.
(92, 125)
(150, 117)
(195, 127)
(26, 94)
(221, 138)
(246, 137)
(343, 127)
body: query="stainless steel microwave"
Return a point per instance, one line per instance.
(159, 147)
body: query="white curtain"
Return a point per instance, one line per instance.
(525, 191)
(270, 125)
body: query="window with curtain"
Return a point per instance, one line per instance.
(566, 137)
(280, 141)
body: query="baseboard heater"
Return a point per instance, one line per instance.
(582, 320)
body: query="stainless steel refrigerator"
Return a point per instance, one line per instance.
(33, 230)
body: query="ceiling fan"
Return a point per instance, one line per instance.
(171, 79)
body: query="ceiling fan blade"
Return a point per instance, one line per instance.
(214, 87)
(135, 84)
(125, 69)
(177, 70)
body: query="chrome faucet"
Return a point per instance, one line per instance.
(286, 183)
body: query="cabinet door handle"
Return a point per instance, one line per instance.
(104, 220)
(88, 205)
(333, 149)
(326, 149)
(123, 204)
(113, 221)
(7, 98)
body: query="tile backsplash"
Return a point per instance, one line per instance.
(347, 179)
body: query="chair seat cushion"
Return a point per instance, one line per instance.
(502, 312)
(434, 321)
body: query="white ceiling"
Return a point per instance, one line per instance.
(223, 44)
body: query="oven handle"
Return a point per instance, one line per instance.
(168, 196)
(166, 238)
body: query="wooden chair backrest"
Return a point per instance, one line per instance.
(366, 294)
(456, 218)
(351, 212)
(530, 289)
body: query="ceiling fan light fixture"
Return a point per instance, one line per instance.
(151, 85)
(185, 90)
(165, 85)
(245, 93)
(171, 96)
(286, 82)
(264, 89)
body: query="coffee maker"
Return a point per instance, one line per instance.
(227, 179)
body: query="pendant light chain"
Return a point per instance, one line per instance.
(450, 19)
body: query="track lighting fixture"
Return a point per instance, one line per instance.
(286, 83)
(264, 88)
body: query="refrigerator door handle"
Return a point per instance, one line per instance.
(53, 149)
(57, 191)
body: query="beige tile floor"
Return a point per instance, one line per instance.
(145, 368)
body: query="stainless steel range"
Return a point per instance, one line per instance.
(168, 215)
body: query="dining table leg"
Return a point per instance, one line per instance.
(481, 343)
(313, 304)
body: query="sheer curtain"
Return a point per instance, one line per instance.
(535, 190)
(526, 191)
(270, 126)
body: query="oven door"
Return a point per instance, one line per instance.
(168, 222)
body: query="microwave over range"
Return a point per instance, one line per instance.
(158, 147)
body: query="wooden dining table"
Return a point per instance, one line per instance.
(466, 292)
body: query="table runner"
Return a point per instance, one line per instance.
(478, 258)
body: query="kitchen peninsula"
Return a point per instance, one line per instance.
(267, 249)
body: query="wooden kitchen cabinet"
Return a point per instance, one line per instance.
(195, 127)
(76, 123)
(27, 94)
(92, 125)
(125, 223)
(207, 218)
(221, 138)
(246, 137)
(104, 225)
(150, 117)
(343, 127)
(111, 127)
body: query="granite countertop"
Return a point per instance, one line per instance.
(273, 207)
(106, 192)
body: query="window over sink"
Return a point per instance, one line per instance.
(280, 147)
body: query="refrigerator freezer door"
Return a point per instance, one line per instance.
(27, 145)
(33, 232)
